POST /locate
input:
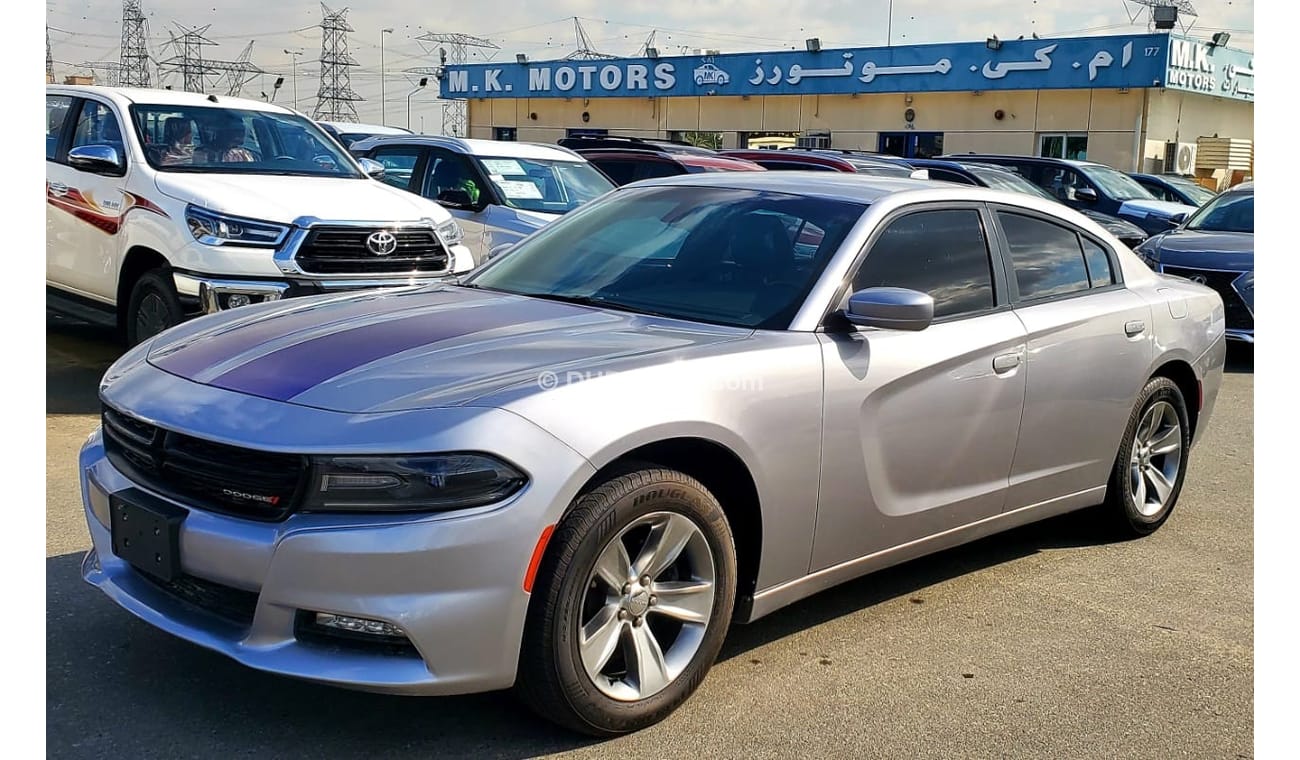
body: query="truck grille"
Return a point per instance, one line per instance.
(260, 485)
(1235, 312)
(343, 250)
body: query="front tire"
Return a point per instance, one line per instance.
(153, 307)
(1152, 460)
(631, 604)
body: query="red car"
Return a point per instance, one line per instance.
(628, 159)
(798, 160)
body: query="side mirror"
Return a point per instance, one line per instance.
(1085, 194)
(891, 308)
(499, 250)
(1178, 219)
(372, 168)
(458, 199)
(96, 158)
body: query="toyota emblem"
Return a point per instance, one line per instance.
(381, 243)
(1199, 279)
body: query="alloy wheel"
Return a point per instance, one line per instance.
(1156, 458)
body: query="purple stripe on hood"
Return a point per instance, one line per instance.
(289, 371)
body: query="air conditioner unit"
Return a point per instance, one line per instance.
(1180, 158)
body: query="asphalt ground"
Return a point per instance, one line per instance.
(1048, 641)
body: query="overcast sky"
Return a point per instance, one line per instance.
(90, 30)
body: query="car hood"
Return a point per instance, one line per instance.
(395, 350)
(284, 199)
(1209, 250)
(1142, 207)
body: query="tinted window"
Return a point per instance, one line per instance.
(96, 125)
(1158, 191)
(56, 114)
(1046, 257)
(1061, 183)
(449, 171)
(947, 175)
(717, 255)
(399, 163)
(652, 169)
(943, 253)
(1099, 269)
(618, 170)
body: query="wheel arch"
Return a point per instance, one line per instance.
(138, 260)
(1181, 373)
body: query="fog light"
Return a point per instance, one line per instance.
(235, 300)
(358, 625)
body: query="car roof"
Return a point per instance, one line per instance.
(627, 142)
(351, 127)
(125, 96)
(978, 157)
(856, 188)
(793, 156)
(474, 147)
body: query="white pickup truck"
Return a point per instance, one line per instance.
(164, 205)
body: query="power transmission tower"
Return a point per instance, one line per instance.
(454, 50)
(1184, 9)
(49, 59)
(134, 59)
(334, 101)
(239, 72)
(112, 70)
(189, 62)
(585, 51)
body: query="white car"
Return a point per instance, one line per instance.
(162, 205)
(352, 132)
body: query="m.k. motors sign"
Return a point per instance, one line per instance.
(1196, 66)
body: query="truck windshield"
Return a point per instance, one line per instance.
(226, 140)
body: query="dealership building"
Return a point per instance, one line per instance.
(1145, 102)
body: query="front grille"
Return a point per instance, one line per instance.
(1235, 312)
(260, 485)
(343, 250)
(230, 604)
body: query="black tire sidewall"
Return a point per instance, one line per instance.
(156, 281)
(1157, 390)
(662, 491)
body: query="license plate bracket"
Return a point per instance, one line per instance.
(146, 532)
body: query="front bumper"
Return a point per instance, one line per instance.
(452, 582)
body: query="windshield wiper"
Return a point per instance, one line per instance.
(599, 303)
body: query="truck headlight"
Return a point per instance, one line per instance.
(1245, 287)
(450, 233)
(211, 228)
(409, 483)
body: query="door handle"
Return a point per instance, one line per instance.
(1134, 327)
(1006, 362)
(58, 188)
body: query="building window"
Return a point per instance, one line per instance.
(1073, 146)
(508, 134)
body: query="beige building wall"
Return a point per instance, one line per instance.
(984, 122)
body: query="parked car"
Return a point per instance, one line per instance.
(1174, 188)
(1216, 247)
(582, 143)
(349, 133)
(1005, 178)
(499, 191)
(808, 160)
(1084, 184)
(633, 164)
(162, 205)
(573, 470)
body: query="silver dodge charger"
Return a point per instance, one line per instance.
(691, 402)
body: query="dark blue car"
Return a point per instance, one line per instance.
(1174, 188)
(1005, 178)
(1097, 187)
(1215, 247)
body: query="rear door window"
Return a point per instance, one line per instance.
(1047, 258)
(56, 116)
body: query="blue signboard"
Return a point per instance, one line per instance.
(1196, 66)
(1136, 60)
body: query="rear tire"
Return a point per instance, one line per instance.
(153, 306)
(604, 653)
(1152, 461)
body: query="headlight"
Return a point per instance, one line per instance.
(450, 233)
(1245, 287)
(414, 483)
(211, 228)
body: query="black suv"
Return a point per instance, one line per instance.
(1097, 187)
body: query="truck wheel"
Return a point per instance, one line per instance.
(154, 306)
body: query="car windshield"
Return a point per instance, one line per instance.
(1117, 185)
(1014, 183)
(227, 140)
(1230, 212)
(719, 255)
(1198, 194)
(551, 187)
